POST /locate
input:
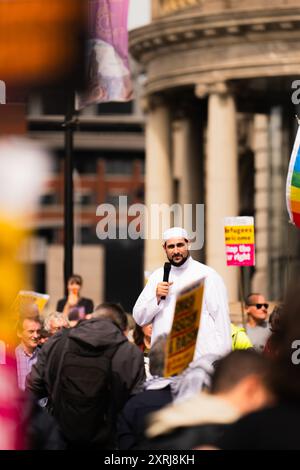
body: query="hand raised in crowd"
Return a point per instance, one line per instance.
(162, 290)
(72, 299)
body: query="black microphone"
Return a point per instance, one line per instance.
(167, 269)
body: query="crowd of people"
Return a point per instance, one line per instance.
(95, 377)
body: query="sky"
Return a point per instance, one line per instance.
(139, 13)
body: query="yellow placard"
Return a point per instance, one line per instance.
(239, 234)
(30, 297)
(182, 339)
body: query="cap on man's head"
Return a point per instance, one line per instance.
(175, 232)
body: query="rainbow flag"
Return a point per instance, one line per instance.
(293, 183)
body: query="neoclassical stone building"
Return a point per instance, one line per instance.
(220, 123)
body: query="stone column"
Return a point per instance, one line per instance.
(277, 205)
(221, 181)
(261, 200)
(158, 178)
(187, 171)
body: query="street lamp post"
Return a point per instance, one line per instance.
(69, 124)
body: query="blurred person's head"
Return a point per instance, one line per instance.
(28, 331)
(286, 364)
(114, 312)
(28, 309)
(74, 284)
(142, 332)
(243, 378)
(157, 356)
(147, 330)
(74, 317)
(130, 328)
(275, 318)
(44, 336)
(256, 309)
(54, 322)
(274, 341)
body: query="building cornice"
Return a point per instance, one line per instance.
(162, 8)
(191, 49)
(174, 31)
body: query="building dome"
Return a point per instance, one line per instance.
(199, 42)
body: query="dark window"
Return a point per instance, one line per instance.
(86, 163)
(49, 199)
(89, 236)
(49, 234)
(40, 277)
(118, 167)
(112, 199)
(124, 261)
(54, 102)
(86, 199)
(115, 108)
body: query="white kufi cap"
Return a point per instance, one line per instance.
(175, 232)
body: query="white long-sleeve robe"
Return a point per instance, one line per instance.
(214, 335)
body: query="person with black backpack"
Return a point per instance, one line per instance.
(89, 372)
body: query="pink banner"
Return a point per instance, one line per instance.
(240, 255)
(108, 75)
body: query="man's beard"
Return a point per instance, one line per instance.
(179, 263)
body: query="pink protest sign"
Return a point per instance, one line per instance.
(239, 241)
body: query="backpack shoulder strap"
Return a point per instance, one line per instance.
(59, 351)
(111, 350)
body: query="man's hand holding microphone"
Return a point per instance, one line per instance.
(162, 289)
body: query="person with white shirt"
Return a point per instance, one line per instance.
(214, 336)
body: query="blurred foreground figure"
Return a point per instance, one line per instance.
(89, 372)
(239, 385)
(11, 432)
(23, 171)
(277, 427)
(273, 343)
(156, 394)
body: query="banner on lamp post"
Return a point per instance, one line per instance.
(107, 74)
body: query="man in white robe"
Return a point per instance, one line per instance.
(214, 335)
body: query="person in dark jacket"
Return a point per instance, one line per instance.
(101, 331)
(156, 395)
